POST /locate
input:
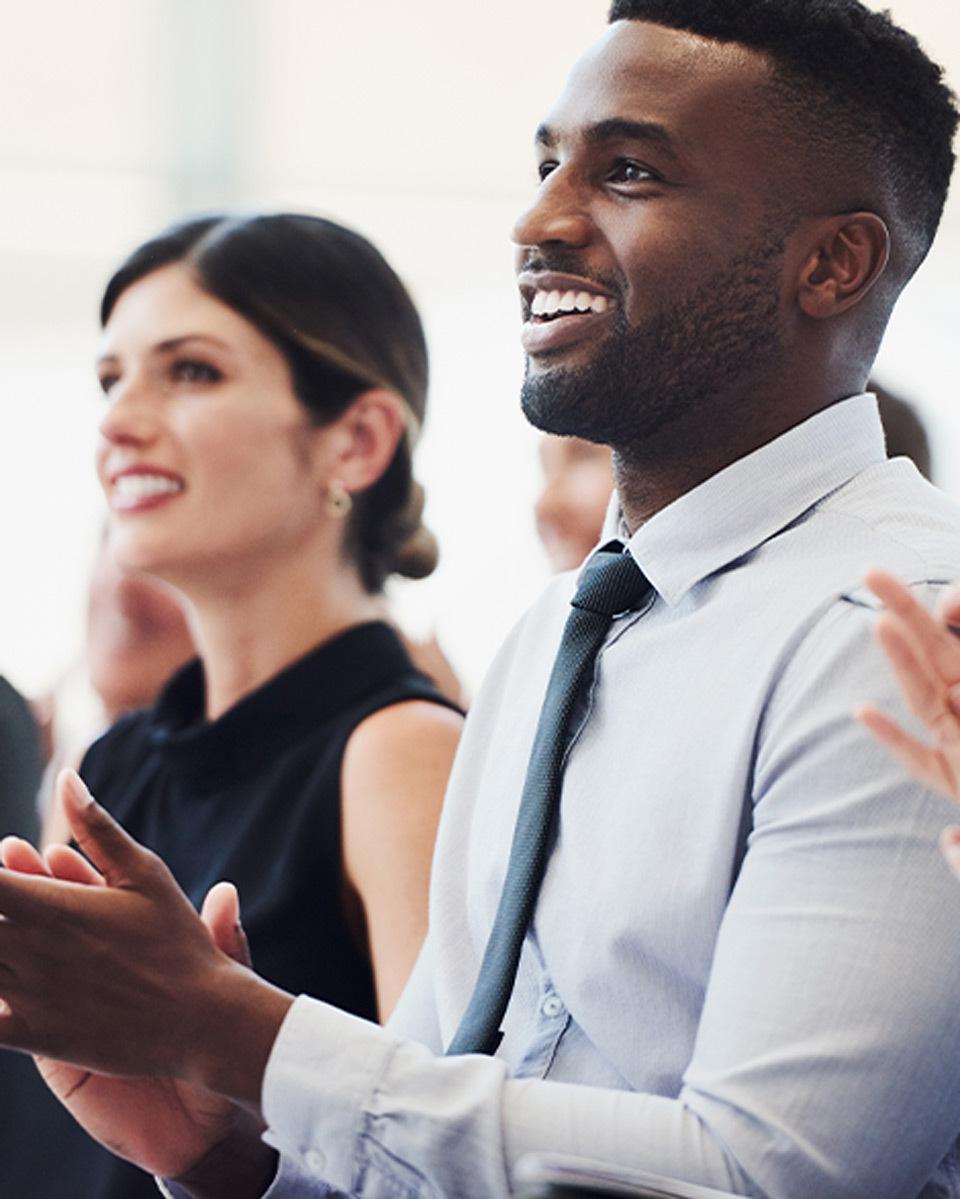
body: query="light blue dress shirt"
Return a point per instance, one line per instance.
(745, 965)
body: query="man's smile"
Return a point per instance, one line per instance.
(559, 309)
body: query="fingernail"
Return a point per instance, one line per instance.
(79, 788)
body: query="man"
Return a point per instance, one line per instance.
(744, 951)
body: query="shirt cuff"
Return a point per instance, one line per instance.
(322, 1071)
(290, 1183)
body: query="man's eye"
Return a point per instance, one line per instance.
(628, 171)
(106, 382)
(545, 169)
(188, 370)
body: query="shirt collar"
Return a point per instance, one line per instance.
(749, 501)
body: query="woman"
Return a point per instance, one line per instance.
(265, 381)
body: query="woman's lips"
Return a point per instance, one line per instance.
(137, 491)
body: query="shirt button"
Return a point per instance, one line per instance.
(552, 1007)
(316, 1161)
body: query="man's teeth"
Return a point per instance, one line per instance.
(549, 303)
(139, 487)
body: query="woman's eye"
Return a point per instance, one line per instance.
(188, 370)
(106, 382)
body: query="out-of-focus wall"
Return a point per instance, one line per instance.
(414, 123)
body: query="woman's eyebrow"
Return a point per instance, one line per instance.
(174, 343)
(170, 345)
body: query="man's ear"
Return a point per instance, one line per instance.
(361, 442)
(849, 255)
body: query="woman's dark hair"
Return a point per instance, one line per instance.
(344, 322)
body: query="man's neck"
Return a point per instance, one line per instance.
(652, 475)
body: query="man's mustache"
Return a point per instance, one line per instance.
(569, 262)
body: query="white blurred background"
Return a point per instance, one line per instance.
(413, 122)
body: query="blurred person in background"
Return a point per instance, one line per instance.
(577, 485)
(137, 636)
(21, 765)
(21, 761)
(906, 434)
(265, 381)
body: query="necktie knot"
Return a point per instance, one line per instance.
(611, 582)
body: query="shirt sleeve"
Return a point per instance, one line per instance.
(825, 1061)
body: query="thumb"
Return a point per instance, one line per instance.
(221, 914)
(112, 850)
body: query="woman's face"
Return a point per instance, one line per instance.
(207, 458)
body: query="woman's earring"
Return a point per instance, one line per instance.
(339, 500)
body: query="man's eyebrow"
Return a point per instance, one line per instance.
(614, 129)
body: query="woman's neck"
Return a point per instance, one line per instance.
(248, 633)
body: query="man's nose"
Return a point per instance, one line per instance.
(558, 214)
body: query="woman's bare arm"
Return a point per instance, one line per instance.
(393, 779)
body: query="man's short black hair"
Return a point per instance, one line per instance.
(856, 81)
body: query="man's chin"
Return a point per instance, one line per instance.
(569, 358)
(554, 403)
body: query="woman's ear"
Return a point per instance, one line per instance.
(362, 441)
(849, 255)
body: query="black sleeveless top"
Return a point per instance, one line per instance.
(254, 798)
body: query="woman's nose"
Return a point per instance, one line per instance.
(130, 418)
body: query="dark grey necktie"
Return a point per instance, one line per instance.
(611, 582)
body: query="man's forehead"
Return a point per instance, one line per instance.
(647, 72)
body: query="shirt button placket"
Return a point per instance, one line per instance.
(552, 1007)
(316, 1161)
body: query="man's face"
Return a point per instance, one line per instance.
(649, 264)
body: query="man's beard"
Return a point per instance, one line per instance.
(680, 360)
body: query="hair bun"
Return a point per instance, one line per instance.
(417, 555)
